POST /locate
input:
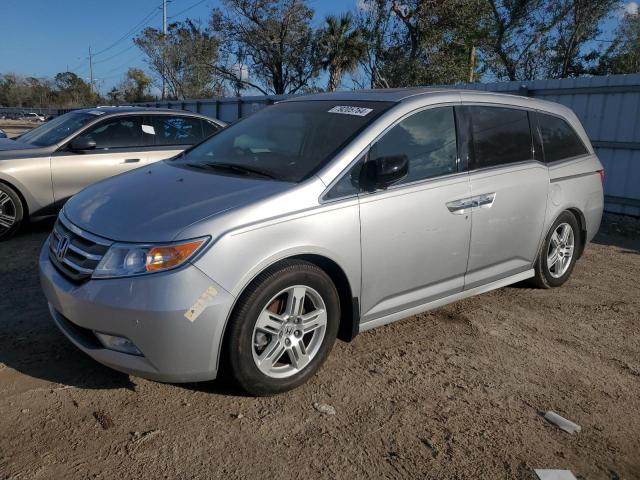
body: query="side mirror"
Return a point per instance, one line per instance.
(82, 143)
(381, 172)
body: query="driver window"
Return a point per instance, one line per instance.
(427, 138)
(117, 132)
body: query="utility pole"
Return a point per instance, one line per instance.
(90, 70)
(472, 64)
(164, 35)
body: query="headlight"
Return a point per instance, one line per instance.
(126, 259)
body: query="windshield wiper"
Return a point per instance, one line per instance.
(232, 167)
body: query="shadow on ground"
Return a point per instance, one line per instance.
(31, 344)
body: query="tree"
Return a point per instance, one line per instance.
(342, 46)
(518, 36)
(375, 23)
(17, 91)
(136, 86)
(184, 58)
(74, 91)
(421, 42)
(580, 26)
(272, 40)
(623, 55)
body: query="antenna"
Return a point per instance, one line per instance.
(90, 70)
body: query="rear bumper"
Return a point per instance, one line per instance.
(149, 311)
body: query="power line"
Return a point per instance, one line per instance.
(124, 64)
(115, 54)
(187, 9)
(146, 19)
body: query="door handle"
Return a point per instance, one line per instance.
(486, 200)
(461, 206)
(131, 160)
(464, 205)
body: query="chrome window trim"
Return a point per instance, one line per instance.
(358, 157)
(520, 163)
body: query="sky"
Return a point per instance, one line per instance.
(43, 37)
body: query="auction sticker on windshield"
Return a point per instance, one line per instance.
(350, 110)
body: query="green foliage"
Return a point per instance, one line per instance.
(272, 46)
(133, 89)
(184, 57)
(67, 90)
(623, 56)
(273, 40)
(342, 47)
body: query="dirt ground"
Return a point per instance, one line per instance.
(455, 393)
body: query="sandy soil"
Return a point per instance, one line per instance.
(455, 393)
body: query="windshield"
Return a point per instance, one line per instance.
(288, 141)
(57, 129)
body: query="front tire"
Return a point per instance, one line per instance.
(282, 328)
(11, 212)
(558, 254)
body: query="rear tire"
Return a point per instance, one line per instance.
(558, 253)
(282, 329)
(11, 212)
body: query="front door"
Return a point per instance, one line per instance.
(414, 244)
(509, 194)
(119, 148)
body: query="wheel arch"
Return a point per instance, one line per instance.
(349, 305)
(582, 223)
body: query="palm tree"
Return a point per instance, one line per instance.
(342, 47)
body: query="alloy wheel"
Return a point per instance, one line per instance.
(560, 251)
(289, 331)
(8, 212)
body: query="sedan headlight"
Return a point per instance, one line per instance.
(126, 259)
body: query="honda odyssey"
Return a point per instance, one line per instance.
(318, 218)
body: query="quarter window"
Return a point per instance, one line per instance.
(118, 132)
(500, 136)
(208, 129)
(559, 140)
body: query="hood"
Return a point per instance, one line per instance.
(7, 145)
(153, 204)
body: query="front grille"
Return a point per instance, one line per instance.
(80, 253)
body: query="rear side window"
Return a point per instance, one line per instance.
(177, 130)
(559, 140)
(500, 136)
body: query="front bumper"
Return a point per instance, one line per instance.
(150, 311)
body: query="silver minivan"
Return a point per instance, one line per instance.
(45, 166)
(314, 219)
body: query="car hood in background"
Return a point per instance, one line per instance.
(8, 145)
(153, 204)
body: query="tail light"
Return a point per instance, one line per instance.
(601, 172)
